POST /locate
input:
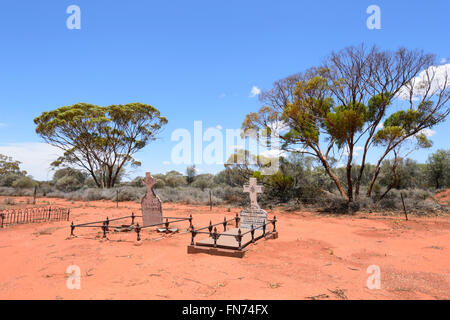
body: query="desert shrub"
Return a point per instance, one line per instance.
(335, 204)
(280, 187)
(188, 195)
(136, 182)
(174, 180)
(159, 184)
(85, 194)
(203, 181)
(24, 183)
(45, 188)
(69, 179)
(90, 183)
(14, 192)
(232, 195)
(7, 180)
(131, 193)
(68, 184)
(438, 169)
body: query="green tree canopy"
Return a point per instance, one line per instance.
(438, 168)
(100, 140)
(330, 110)
(8, 166)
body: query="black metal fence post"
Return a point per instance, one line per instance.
(239, 238)
(252, 232)
(237, 220)
(72, 228)
(215, 236)
(132, 218)
(190, 222)
(404, 207)
(273, 223)
(264, 229)
(210, 227)
(34, 194)
(104, 230)
(210, 200)
(138, 231)
(193, 234)
(3, 218)
(167, 225)
(224, 224)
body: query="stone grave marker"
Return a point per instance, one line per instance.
(253, 215)
(151, 204)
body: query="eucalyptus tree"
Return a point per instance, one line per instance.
(101, 140)
(358, 99)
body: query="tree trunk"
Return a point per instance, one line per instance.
(334, 178)
(349, 174)
(395, 180)
(377, 172)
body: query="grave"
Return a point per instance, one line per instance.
(152, 216)
(151, 204)
(253, 215)
(251, 226)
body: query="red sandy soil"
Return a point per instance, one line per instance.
(316, 256)
(443, 197)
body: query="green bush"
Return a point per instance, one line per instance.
(24, 183)
(7, 180)
(68, 184)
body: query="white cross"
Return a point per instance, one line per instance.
(253, 189)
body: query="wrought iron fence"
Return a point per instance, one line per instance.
(10, 217)
(105, 225)
(215, 235)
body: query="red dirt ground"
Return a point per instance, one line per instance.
(315, 257)
(443, 197)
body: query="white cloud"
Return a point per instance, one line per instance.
(255, 92)
(427, 132)
(340, 165)
(440, 80)
(166, 163)
(219, 127)
(380, 125)
(278, 126)
(274, 153)
(222, 95)
(35, 157)
(443, 60)
(355, 151)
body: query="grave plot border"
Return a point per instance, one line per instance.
(105, 225)
(223, 250)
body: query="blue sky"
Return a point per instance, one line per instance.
(193, 60)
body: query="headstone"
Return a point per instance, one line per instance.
(151, 204)
(253, 215)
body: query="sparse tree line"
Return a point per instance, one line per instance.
(299, 180)
(373, 101)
